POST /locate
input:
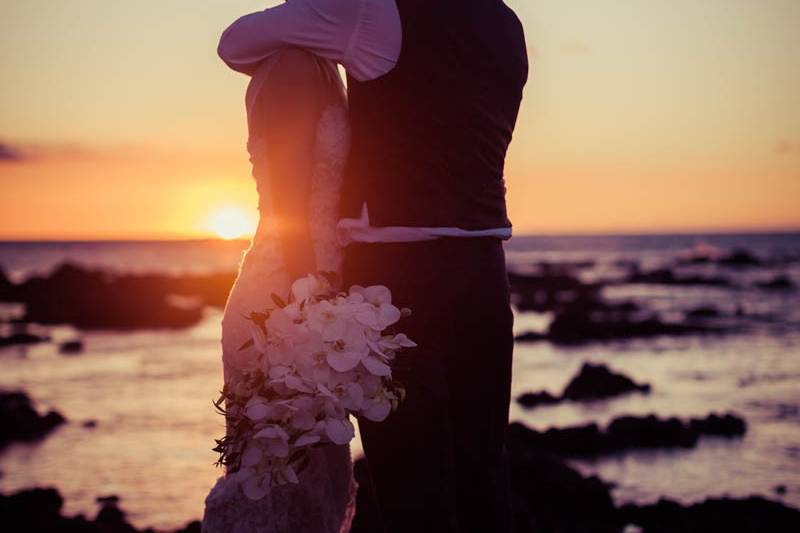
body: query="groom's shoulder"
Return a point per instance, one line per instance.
(496, 17)
(513, 23)
(507, 36)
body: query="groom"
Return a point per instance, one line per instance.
(434, 89)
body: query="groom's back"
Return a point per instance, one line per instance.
(430, 137)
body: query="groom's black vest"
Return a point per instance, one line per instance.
(429, 138)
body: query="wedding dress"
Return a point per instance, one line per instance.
(324, 499)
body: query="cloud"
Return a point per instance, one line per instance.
(9, 153)
(787, 147)
(27, 152)
(575, 48)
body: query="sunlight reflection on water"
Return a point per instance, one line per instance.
(691, 379)
(151, 391)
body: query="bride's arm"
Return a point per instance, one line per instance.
(288, 108)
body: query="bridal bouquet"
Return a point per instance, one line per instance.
(322, 356)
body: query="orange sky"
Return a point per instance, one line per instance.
(118, 120)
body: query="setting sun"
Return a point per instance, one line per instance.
(230, 222)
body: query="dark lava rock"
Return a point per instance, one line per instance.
(565, 266)
(31, 510)
(71, 347)
(593, 382)
(111, 499)
(548, 495)
(740, 258)
(749, 515)
(704, 312)
(628, 433)
(666, 276)
(778, 283)
(39, 510)
(577, 327)
(6, 287)
(779, 489)
(195, 526)
(21, 338)
(597, 381)
(113, 518)
(530, 336)
(574, 441)
(583, 315)
(532, 399)
(19, 421)
(93, 299)
(727, 425)
(552, 291)
(89, 424)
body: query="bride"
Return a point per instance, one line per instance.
(298, 143)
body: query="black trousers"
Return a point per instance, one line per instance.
(439, 462)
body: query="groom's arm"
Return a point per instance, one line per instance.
(324, 27)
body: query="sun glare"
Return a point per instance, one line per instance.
(230, 222)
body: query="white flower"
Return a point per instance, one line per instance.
(326, 393)
(252, 455)
(306, 439)
(348, 350)
(277, 372)
(391, 343)
(323, 357)
(327, 319)
(253, 485)
(376, 365)
(351, 396)
(378, 409)
(285, 325)
(370, 383)
(303, 421)
(274, 440)
(383, 351)
(286, 475)
(309, 287)
(339, 431)
(377, 311)
(257, 408)
(377, 402)
(304, 412)
(297, 383)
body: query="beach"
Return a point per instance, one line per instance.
(710, 322)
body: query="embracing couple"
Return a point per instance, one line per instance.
(395, 180)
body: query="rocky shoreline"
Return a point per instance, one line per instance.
(549, 496)
(92, 299)
(100, 300)
(20, 422)
(593, 382)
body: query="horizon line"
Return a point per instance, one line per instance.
(615, 233)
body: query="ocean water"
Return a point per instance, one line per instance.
(150, 392)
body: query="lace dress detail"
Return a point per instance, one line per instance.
(324, 500)
(332, 146)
